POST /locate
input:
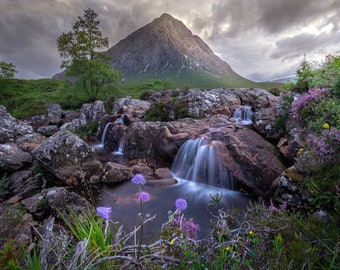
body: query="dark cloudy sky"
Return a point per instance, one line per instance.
(261, 39)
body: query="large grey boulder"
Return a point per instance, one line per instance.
(92, 112)
(10, 128)
(135, 107)
(54, 113)
(206, 103)
(68, 158)
(12, 158)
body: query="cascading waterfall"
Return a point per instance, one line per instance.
(242, 115)
(197, 161)
(104, 133)
(120, 146)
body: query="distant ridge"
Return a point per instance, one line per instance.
(166, 48)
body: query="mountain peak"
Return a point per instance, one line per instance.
(165, 47)
(166, 16)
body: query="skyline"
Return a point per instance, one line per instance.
(262, 40)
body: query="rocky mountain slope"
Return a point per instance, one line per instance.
(167, 48)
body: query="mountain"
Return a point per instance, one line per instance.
(285, 80)
(167, 49)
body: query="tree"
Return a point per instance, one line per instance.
(328, 74)
(7, 70)
(303, 74)
(86, 65)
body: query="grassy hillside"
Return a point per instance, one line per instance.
(28, 97)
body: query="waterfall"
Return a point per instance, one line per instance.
(197, 161)
(120, 146)
(104, 133)
(242, 115)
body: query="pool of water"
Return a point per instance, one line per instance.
(123, 198)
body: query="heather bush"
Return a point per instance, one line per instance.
(305, 104)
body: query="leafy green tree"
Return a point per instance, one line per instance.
(85, 62)
(328, 74)
(303, 74)
(7, 70)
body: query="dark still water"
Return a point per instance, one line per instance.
(125, 205)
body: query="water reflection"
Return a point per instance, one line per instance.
(125, 205)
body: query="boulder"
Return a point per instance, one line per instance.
(47, 131)
(59, 198)
(37, 121)
(23, 184)
(291, 190)
(12, 158)
(56, 200)
(114, 173)
(64, 155)
(205, 103)
(29, 142)
(15, 225)
(255, 163)
(10, 128)
(111, 131)
(264, 105)
(54, 113)
(92, 112)
(134, 107)
(140, 139)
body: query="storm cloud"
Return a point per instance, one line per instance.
(261, 39)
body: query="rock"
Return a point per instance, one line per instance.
(92, 112)
(161, 182)
(29, 142)
(114, 173)
(37, 121)
(10, 128)
(15, 225)
(163, 173)
(23, 184)
(264, 105)
(206, 103)
(68, 116)
(54, 113)
(12, 158)
(136, 108)
(142, 166)
(54, 201)
(64, 155)
(59, 198)
(34, 204)
(73, 125)
(291, 190)
(112, 132)
(48, 131)
(255, 164)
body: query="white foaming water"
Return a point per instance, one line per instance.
(197, 161)
(242, 115)
(104, 133)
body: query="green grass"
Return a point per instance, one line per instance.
(24, 98)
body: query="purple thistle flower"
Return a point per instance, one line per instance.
(144, 196)
(104, 212)
(181, 204)
(138, 179)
